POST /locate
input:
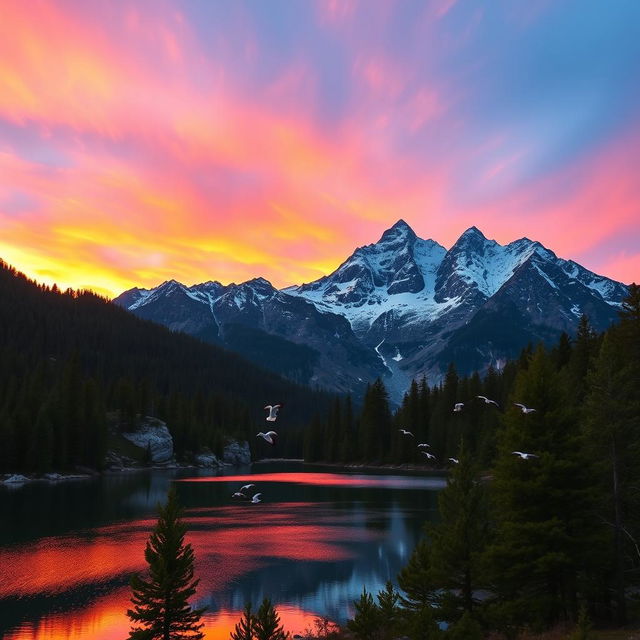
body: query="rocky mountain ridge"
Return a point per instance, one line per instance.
(400, 308)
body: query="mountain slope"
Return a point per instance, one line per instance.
(401, 307)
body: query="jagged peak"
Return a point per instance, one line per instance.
(260, 282)
(167, 284)
(209, 283)
(472, 232)
(400, 231)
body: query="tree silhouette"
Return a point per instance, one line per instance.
(160, 603)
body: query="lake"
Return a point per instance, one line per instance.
(321, 534)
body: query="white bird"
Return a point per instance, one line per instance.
(246, 486)
(454, 460)
(270, 436)
(406, 433)
(423, 444)
(256, 498)
(523, 408)
(524, 456)
(430, 456)
(238, 495)
(487, 401)
(458, 407)
(273, 411)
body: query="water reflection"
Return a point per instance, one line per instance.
(311, 546)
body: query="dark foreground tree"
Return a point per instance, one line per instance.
(267, 623)
(161, 608)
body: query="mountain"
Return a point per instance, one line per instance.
(283, 332)
(402, 307)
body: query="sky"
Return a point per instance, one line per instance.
(144, 140)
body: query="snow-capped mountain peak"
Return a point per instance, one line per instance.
(404, 306)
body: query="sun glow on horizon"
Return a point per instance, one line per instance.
(215, 142)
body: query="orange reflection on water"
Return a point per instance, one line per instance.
(228, 542)
(105, 619)
(52, 565)
(328, 479)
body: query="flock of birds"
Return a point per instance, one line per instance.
(271, 436)
(457, 408)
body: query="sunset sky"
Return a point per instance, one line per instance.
(143, 140)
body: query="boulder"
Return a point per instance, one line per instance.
(237, 453)
(206, 459)
(153, 436)
(16, 478)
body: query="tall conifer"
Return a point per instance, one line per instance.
(161, 609)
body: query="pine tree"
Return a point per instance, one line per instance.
(543, 507)
(267, 623)
(416, 579)
(389, 612)
(245, 628)
(459, 538)
(160, 603)
(612, 436)
(375, 423)
(365, 624)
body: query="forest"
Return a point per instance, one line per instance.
(73, 365)
(540, 521)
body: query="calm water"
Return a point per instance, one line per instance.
(67, 550)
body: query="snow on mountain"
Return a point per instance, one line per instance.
(401, 307)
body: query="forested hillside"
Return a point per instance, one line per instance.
(69, 360)
(541, 516)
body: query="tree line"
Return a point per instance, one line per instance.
(74, 366)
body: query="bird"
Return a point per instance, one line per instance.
(256, 498)
(487, 401)
(523, 408)
(270, 436)
(430, 456)
(423, 444)
(524, 456)
(454, 460)
(406, 433)
(273, 411)
(458, 407)
(246, 486)
(238, 495)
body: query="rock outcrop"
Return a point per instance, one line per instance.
(237, 453)
(153, 436)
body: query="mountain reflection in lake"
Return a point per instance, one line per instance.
(67, 550)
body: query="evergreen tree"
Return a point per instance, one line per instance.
(389, 612)
(543, 508)
(375, 423)
(365, 624)
(160, 603)
(612, 437)
(416, 579)
(459, 538)
(245, 627)
(267, 623)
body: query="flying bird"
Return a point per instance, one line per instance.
(406, 433)
(246, 486)
(270, 436)
(423, 444)
(487, 401)
(454, 460)
(523, 408)
(273, 411)
(256, 498)
(458, 407)
(525, 456)
(238, 495)
(430, 456)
